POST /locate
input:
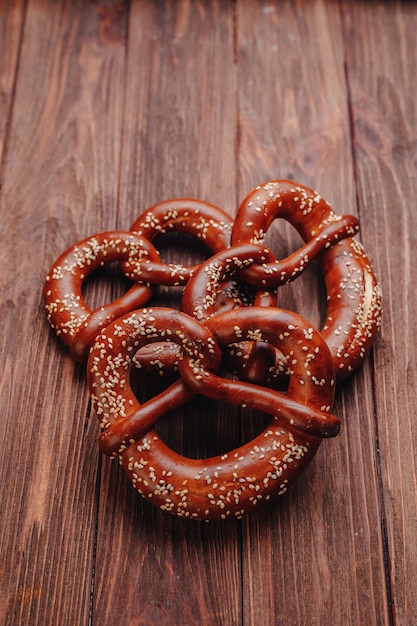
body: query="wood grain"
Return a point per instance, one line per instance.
(382, 92)
(12, 16)
(180, 116)
(60, 179)
(106, 108)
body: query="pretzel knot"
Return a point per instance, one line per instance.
(229, 341)
(233, 483)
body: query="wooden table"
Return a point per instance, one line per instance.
(107, 108)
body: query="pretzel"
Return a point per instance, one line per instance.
(233, 483)
(200, 293)
(194, 217)
(109, 366)
(68, 314)
(353, 293)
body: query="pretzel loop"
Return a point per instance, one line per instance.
(203, 220)
(212, 226)
(302, 346)
(287, 270)
(68, 313)
(254, 362)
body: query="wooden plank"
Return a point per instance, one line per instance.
(11, 24)
(178, 141)
(317, 556)
(60, 184)
(179, 125)
(381, 54)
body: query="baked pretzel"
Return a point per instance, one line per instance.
(68, 313)
(201, 291)
(236, 482)
(353, 293)
(109, 367)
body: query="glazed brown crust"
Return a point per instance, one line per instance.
(254, 362)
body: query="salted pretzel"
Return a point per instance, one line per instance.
(234, 483)
(68, 313)
(353, 293)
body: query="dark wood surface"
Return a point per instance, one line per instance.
(107, 108)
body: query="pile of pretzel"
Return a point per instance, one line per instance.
(228, 323)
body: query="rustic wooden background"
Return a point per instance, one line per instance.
(107, 108)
